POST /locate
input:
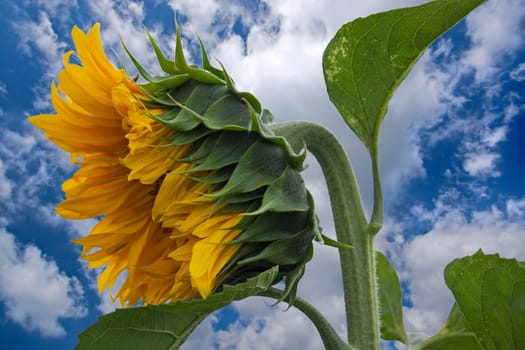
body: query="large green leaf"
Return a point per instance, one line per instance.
(369, 57)
(490, 305)
(456, 334)
(390, 300)
(165, 326)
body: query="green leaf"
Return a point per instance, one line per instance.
(165, 326)
(456, 321)
(391, 301)
(456, 334)
(451, 341)
(490, 304)
(490, 292)
(368, 58)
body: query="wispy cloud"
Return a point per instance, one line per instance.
(496, 30)
(54, 6)
(6, 185)
(35, 167)
(482, 164)
(518, 73)
(124, 20)
(3, 89)
(38, 39)
(36, 294)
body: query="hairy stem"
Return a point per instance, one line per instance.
(328, 335)
(357, 264)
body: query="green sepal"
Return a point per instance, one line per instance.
(200, 151)
(219, 176)
(270, 226)
(139, 67)
(188, 137)
(252, 196)
(197, 74)
(286, 194)
(313, 220)
(267, 117)
(260, 165)
(296, 158)
(285, 251)
(206, 61)
(226, 150)
(227, 113)
(168, 66)
(293, 277)
(200, 99)
(170, 82)
(156, 82)
(248, 97)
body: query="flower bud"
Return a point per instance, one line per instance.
(194, 189)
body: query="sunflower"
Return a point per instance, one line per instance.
(192, 187)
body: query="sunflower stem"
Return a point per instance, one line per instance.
(329, 336)
(358, 264)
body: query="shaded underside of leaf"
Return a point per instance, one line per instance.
(165, 326)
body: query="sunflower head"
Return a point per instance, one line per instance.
(194, 188)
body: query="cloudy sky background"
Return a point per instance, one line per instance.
(451, 154)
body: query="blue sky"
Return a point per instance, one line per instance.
(451, 152)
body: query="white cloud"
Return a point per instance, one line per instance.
(512, 111)
(124, 20)
(16, 144)
(274, 329)
(203, 337)
(482, 164)
(42, 37)
(3, 89)
(496, 31)
(6, 185)
(35, 293)
(482, 139)
(53, 6)
(454, 234)
(518, 73)
(516, 208)
(34, 166)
